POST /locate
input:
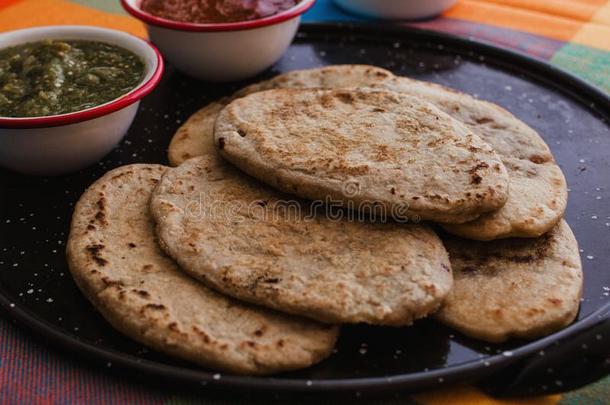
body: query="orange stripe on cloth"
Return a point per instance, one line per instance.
(534, 22)
(30, 13)
(472, 396)
(580, 10)
(6, 3)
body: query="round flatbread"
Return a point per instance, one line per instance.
(523, 288)
(537, 200)
(115, 260)
(192, 137)
(363, 147)
(538, 190)
(327, 77)
(246, 240)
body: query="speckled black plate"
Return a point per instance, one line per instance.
(36, 288)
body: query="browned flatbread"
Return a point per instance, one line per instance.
(522, 288)
(246, 240)
(393, 149)
(195, 136)
(190, 141)
(115, 260)
(538, 191)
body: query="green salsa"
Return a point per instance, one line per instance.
(53, 77)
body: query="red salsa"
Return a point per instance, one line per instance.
(215, 11)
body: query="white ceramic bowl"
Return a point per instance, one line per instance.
(222, 52)
(396, 9)
(63, 143)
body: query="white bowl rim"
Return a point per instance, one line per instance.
(154, 71)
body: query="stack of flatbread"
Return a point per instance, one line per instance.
(329, 196)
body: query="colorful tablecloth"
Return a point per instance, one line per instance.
(572, 34)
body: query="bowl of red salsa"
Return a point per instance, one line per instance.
(220, 40)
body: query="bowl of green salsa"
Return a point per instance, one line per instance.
(68, 94)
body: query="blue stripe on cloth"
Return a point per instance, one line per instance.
(326, 10)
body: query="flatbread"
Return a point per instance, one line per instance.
(363, 147)
(327, 77)
(538, 190)
(190, 140)
(115, 260)
(246, 240)
(536, 202)
(192, 137)
(523, 288)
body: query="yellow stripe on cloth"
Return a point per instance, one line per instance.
(603, 15)
(597, 32)
(472, 396)
(31, 13)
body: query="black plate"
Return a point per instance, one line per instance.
(36, 287)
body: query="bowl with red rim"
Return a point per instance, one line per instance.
(57, 144)
(222, 52)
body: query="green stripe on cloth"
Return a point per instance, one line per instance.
(594, 394)
(588, 63)
(109, 6)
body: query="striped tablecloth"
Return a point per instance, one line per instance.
(572, 34)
